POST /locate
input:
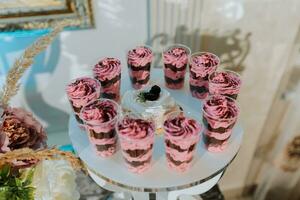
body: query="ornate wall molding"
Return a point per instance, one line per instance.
(16, 15)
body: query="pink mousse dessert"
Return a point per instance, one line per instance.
(108, 72)
(136, 138)
(202, 64)
(100, 118)
(80, 92)
(182, 134)
(139, 63)
(226, 83)
(219, 117)
(175, 60)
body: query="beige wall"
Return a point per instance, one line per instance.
(273, 26)
(254, 37)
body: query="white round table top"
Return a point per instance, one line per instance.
(159, 177)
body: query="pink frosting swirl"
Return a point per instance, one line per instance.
(177, 56)
(220, 107)
(140, 56)
(204, 64)
(107, 69)
(181, 127)
(225, 83)
(135, 128)
(99, 112)
(83, 91)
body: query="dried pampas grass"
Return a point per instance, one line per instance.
(21, 64)
(44, 154)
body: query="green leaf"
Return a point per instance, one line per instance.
(16, 186)
(141, 97)
(3, 196)
(18, 182)
(27, 177)
(5, 193)
(4, 171)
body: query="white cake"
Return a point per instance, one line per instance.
(155, 110)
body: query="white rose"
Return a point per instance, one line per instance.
(55, 180)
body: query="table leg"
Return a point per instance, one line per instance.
(152, 196)
(213, 194)
(141, 196)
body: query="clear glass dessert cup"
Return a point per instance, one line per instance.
(139, 73)
(221, 88)
(103, 135)
(217, 132)
(110, 89)
(137, 153)
(180, 151)
(199, 86)
(175, 71)
(77, 109)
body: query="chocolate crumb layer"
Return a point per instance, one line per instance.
(110, 82)
(199, 89)
(171, 81)
(134, 80)
(138, 152)
(174, 146)
(76, 109)
(138, 163)
(174, 68)
(102, 135)
(139, 68)
(212, 140)
(217, 130)
(105, 147)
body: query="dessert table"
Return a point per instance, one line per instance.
(159, 182)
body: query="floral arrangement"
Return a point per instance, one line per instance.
(51, 177)
(19, 129)
(14, 185)
(29, 170)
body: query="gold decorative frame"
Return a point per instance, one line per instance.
(20, 15)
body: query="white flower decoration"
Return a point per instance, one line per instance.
(55, 180)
